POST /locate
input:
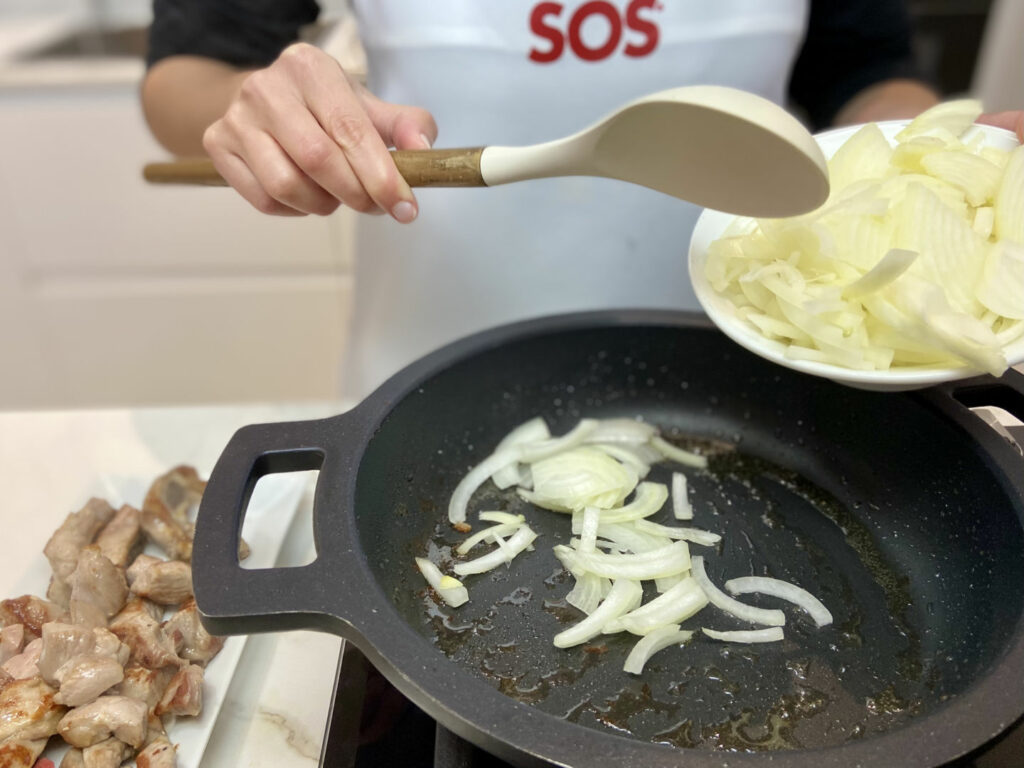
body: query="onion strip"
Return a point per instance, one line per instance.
(623, 595)
(519, 541)
(450, 589)
(677, 454)
(718, 598)
(665, 561)
(766, 635)
(670, 607)
(681, 509)
(650, 644)
(783, 590)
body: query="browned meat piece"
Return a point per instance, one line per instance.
(65, 642)
(191, 640)
(163, 531)
(144, 684)
(98, 588)
(30, 611)
(21, 753)
(26, 663)
(176, 492)
(136, 627)
(184, 694)
(160, 753)
(166, 582)
(59, 591)
(28, 711)
(12, 639)
(119, 716)
(77, 531)
(73, 758)
(107, 754)
(5, 679)
(165, 511)
(140, 564)
(121, 539)
(86, 676)
(62, 642)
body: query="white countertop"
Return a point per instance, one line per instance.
(276, 706)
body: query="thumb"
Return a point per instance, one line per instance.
(1011, 121)
(401, 126)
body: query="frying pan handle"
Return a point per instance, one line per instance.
(1006, 392)
(234, 600)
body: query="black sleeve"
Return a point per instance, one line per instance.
(244, 33)
(850, 45)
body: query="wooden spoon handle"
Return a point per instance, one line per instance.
(419, 167)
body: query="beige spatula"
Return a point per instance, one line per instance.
(717, 147)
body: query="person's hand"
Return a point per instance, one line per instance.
(1011, 121)
(300, 138)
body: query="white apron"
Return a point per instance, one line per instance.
(514, 72)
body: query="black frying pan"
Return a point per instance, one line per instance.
(903, 512)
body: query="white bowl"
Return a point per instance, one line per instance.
(712, 224)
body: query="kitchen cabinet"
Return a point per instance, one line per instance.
(113, 291)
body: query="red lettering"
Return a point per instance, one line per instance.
(541, 29)
(637, 24)
(584, 12)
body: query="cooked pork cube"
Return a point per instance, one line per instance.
(184, 694)
(12, 639)
(140, 564)
(28, 711)
(144, 684)
(21, 753)
(98, 588)
(59, 591)
(159, 753)
(31, 612)
(26, 663)
(120, 716)
(107, 754)
(86, 676)
(136, 627)
(62, 642)
(73, 758)
(77, 531)
(176, 492)
(121, 538)
(191, 640)
(167, 582)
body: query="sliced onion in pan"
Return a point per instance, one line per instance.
(588, 532)
(648, 645)
(694, 535)
(666, 561)
(718, 598)
(623, 595)
(533, 431)
(588, 593)
(625, 455)
(783, 590)
(671, 607)
(681, 508)
(766, 635)
(506, 518)
(476, 477)
(519, 541)
(648, 499)
(677, 454)
(542, 449)
(450, 589)
(622, 431)
(493, 533)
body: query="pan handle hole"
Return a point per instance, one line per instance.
(278, 524)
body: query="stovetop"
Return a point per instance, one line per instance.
(372, 726)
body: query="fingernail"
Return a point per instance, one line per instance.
(404, 212)
(425, 140)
